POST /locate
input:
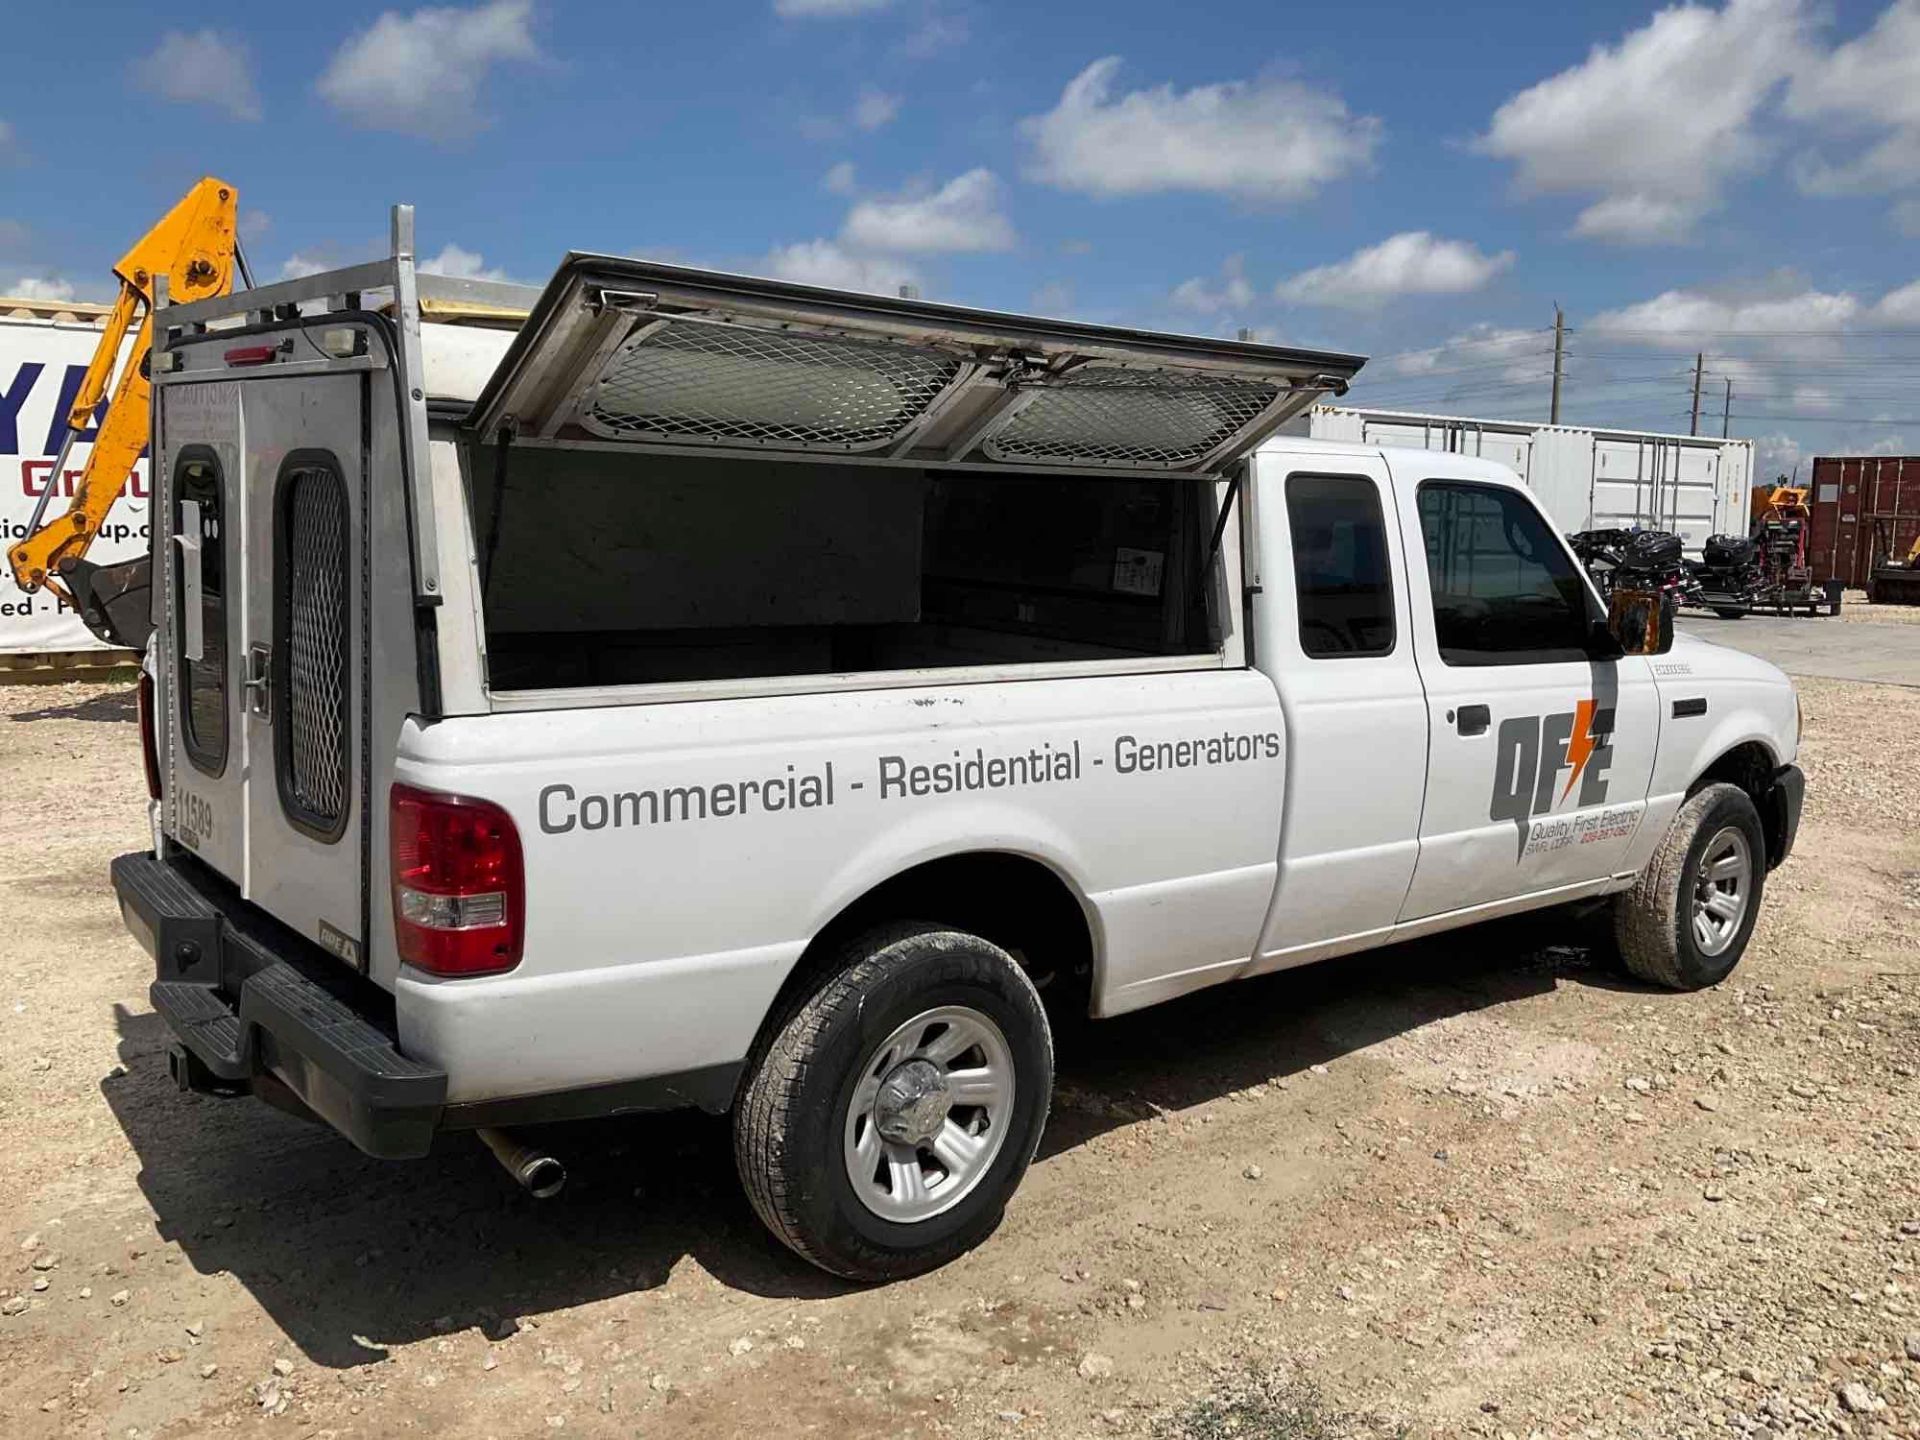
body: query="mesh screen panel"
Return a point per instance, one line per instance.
(316, 640)
(1131, 417)
(727, 384)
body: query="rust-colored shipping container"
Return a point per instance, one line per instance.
(1863, 506)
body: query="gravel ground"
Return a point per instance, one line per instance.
(1478, 1186)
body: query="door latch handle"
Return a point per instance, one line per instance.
(256, 684)
(1473, 719)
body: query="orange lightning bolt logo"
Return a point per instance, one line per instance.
(1579, 745)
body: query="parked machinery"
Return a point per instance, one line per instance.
(1728, 575)
(1782, 522)
(1894, 580)
(1765, 569)
(1639, 559)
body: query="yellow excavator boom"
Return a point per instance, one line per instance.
(194, 246)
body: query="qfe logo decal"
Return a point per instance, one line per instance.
(1534, 750)
(1539, 760)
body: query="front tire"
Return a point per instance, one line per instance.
(891, 1114)
(1686, 921)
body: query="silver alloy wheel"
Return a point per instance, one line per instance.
(1722, 886)
(929, 1114)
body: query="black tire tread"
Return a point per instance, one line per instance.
(778, 1071)
(1646, 917)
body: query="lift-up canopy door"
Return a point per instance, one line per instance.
(621, 351)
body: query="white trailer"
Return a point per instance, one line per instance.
(1693, 485)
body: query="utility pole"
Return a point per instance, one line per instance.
(1559, 355)
(1726, 412)
(1699, 367)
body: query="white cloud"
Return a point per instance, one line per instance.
(1776, 455)
(1414, 262)
(8, 148)
(420, 74)
(875, 109)
(202, 68)
(839, 179)
(1476, 348)
(462, 265)
(299, 265)
(1683, 319)
(1906, 217)
(826, 9)
(938, 30)
(38, 287)
(1270, 139)
(1654, 126)
(826, 262)
(962, 215)
(1899, 307)
(1206, 297)
(1870, 83)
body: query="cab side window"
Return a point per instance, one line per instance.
(1505, 591)
(1341, 572)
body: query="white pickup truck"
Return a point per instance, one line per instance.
(677, 689)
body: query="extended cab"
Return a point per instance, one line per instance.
(677, 689)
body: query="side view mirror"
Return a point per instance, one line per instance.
(1641, 621)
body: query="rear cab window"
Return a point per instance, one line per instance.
(1505, 591)
(1343, 576)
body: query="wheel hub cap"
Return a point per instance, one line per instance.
(1722, 888)
(929, 1113)
(913, 1103)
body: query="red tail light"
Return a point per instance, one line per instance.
(149, 747)
(459, 890)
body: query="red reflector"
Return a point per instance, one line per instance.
(149, 748)
(458, 883)
(252, 354)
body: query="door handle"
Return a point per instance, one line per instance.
(193, 640)
(1473, 719)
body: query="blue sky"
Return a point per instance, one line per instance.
(1420, 183)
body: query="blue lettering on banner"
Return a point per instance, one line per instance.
(12, 401)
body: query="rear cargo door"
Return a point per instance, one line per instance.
(201, 632)
(624, 352)
(301, 674)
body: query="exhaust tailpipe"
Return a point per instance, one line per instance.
(537, 1172)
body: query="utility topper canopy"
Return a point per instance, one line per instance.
(629, 352)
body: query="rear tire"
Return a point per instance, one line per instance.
(1686, 921)
(854, 1135)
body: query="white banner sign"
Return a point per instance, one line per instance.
(42, 363)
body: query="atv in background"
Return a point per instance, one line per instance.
(1729, 576)
(1638, 559)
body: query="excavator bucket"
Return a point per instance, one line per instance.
(114, 601)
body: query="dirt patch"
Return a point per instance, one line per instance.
(1476, 1186)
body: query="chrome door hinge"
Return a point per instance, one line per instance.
(256, 685)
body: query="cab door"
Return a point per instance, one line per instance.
(1541, 746)
(1330, 626)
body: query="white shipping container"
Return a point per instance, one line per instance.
(1693, 485)
(44, 351)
